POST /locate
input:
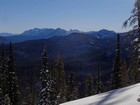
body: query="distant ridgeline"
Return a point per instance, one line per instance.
(35, 34)
(89, 61)
(80, 50)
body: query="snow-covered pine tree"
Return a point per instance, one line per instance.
(134, 20)
(4, 96)
(99, 85)
(45, 82)
(13, 87)
(116, 78)
(89, 85)
(59, 80)
(3, 79)
(55, 96)
(72, 90)
(2, 70)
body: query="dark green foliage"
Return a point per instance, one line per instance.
(133, 70)
(135, 62)
(2, 98)
(134, 20)
(3, 79)
(3, 72)
(30, 91)
(45, 82)
(89, 85)
(116, 72)
(59, 81)
(13, 89)
(72, 90)
(99, 85)
(33, 86)
(124, 73)
(55, 89)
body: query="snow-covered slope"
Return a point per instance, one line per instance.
(123, 96)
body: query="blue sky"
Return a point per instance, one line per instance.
(17, 16)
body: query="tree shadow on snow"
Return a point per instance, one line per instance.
(112, 94)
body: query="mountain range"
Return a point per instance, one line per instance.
(45, 33)
(34, 34)
(81, 51)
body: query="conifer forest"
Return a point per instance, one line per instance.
(54, 66)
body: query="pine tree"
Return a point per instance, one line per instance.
(13, 91)
(116, 72)
(2, 101)
(3, 75)
(72, 90)
(134, 69)
(124, 73)
(33, 83)
(89, 85)
(3, 71)
(30, 90)
(45, 81)
(56, 91)
(99, 85)
(4, 97)
(134, 20)
(59, 77)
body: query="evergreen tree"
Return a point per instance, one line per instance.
(116, 72)
(134, 20)
(72, 90)
(55, 100)
(45, 81)
(13, 91)
(33, 83)
(3, 75)
(134, 69)
(2, 100)
(4, 97)
(29, 88)
(99, 85)
(3, 71)
(124, 73)
(59, 81)
(89, 85)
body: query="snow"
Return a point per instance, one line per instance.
(124, 96)
(136, 40)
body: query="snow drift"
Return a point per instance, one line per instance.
(124, 96)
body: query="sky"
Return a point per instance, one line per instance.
(17, 16)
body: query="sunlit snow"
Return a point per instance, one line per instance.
(124, 96)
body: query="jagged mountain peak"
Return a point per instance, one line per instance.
(45, 33)
(104, 33)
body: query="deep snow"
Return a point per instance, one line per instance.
(124, 96)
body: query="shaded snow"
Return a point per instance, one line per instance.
(123, 96)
